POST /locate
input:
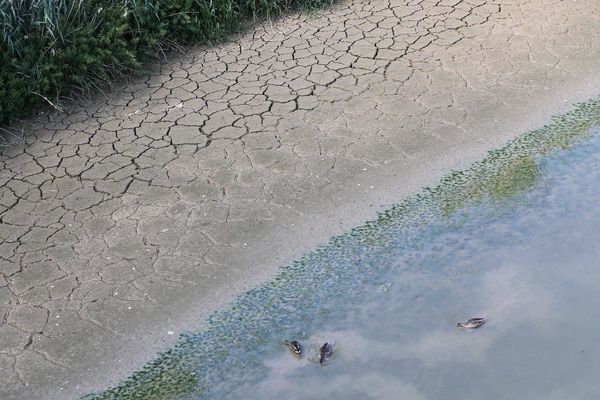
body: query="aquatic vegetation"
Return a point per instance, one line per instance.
(513, 169)
(171, 378)
(512, 177)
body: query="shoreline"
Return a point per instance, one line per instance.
(332, 167)
(313, 231)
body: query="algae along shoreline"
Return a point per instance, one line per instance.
(234, 335)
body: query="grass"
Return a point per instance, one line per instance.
(51, 50)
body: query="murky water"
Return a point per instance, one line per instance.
(515, 239)
(531, 265)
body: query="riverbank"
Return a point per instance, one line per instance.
(141, 215)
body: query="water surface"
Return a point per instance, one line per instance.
(530, 264)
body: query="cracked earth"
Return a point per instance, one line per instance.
(136, 214)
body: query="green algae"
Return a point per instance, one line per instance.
(512, 169)
(171, 380)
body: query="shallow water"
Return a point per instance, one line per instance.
(530, 264)
(517, 241)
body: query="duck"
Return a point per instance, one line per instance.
(472, 323)
(294, 347)
(324, 352)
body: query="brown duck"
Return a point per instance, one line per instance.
(294, 346)
(324, 352)
(472, 323)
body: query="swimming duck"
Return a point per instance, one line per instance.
(324, 352)
(473, 323)
(294, 346)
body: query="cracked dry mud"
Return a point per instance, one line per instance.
(141, 212)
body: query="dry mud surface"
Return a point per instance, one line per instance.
(135, 215)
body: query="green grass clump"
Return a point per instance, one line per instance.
(50, 49)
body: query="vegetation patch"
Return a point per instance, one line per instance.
(52, 49)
